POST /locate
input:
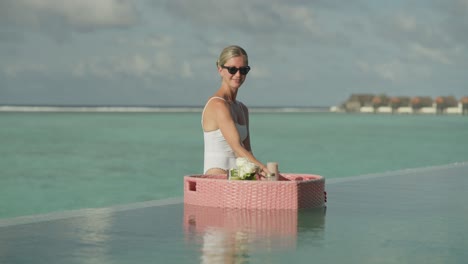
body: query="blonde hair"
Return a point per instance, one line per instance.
(231, 52)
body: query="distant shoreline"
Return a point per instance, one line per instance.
(148, 109)
(199, 109)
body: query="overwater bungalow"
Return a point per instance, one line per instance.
(369, 103)
(443, 103)
(464, 105)
(423, 104)
(356, 101)
(380, 100)
(381, 103)
(401, 104)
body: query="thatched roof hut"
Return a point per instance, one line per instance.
(464, 100)
(421, 101)
(382, 103)
(446, 101)
(380, 100)
(363, 99)
(356, 101)
(400, 101)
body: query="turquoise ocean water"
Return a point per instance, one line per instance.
(62, 161)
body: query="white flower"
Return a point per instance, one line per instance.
(250, 167)
(241, 161)
(245, 168)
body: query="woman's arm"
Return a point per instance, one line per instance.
(228, 129)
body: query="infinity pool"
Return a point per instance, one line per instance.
(409, 216)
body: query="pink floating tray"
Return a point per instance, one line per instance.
(292, 191)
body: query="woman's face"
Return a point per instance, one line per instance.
(233, 80)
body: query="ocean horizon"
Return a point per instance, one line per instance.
(149, 108)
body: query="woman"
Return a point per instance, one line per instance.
(225, 121)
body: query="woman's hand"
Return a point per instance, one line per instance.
(262, 172)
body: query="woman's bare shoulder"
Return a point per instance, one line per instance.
(216, 102)
(217, 106)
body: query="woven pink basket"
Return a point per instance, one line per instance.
(292, 191)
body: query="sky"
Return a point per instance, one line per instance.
(163, 52)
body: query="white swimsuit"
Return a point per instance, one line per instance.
(218, 153)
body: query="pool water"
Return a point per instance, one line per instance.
(405, 216)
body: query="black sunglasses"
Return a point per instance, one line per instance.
(233, 70)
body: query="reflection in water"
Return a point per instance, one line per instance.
(92, 231)
(229, 235)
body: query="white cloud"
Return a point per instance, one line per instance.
(396, 71)
(159, 41)
(260, 72)
(406, 23)
(79, 15)
(146, 43)
(433, 54)
(186, 70)
(18, 68)
(252, 16)
(164, 62)
(79, 70)
(299, 15)
(95, 68)
(389, 71)
(136, 65)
